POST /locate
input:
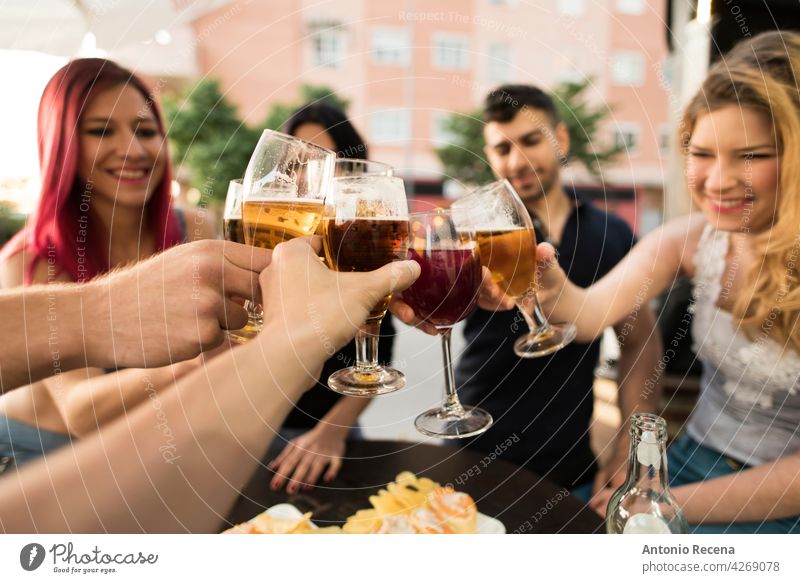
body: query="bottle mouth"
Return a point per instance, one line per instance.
(641, 422)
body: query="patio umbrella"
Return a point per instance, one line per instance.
(60, 27)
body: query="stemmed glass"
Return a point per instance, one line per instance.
(359, 167)
(233, 230)
(284, 188)
(445, 293)
(507, 243)
(364, 228)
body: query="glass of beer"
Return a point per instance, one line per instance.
(358, 167)
(507, 243)
(233, 230)
(445, 293)
(284, 187)
(365, 227)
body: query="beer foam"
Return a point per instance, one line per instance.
(286, 200)
(341, 217)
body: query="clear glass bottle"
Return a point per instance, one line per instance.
(644, 505)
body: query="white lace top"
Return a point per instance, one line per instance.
(749, 406)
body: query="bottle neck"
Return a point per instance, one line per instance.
(647, 457)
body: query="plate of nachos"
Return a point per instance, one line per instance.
(409, 505)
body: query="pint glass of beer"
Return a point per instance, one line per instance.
(365, 227)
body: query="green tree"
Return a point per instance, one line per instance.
(10, 221)
(463, 157)
(208, 138)
(583, 121)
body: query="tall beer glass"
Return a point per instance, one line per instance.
(365, 227)
(507, 243)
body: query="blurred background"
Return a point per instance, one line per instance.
(411, 76)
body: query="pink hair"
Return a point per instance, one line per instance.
(52, 233)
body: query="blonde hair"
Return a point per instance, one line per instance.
(762, 74)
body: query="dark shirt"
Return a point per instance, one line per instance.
(547, 402)
(318, 400)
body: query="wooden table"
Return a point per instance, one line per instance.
(521, 500)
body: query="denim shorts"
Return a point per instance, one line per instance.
(689, 462)
(21, 443)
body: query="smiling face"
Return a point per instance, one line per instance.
(527, 151)
(121, 147)
(733, 169)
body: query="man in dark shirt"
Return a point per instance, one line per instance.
(545, 404)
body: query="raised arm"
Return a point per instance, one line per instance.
(164, 310)
(650, 267)
(216, 425)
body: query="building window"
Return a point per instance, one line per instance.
(630, 6)
(568, 70)
(391, 126)
(450, 51)
(664, 141)
(627, 68)
(572, 8)
(499, 66)
(327, 48)
(390, 46)
(441, 134)
(627, 136)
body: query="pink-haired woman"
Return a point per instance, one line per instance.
(105, 202)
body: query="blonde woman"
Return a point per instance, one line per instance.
(736, 466)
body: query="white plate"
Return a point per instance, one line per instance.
(486, 524)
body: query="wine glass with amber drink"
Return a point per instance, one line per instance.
(233, 230)
(507, 243)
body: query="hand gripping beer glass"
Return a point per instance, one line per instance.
(365, 227)
(284, 188)
(507, 245)
(233, 230)
(445, 293)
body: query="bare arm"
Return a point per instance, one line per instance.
(166, 309)
(94, 398)
(650, 267)
(178, 463)
(766, 492)
(172, 465)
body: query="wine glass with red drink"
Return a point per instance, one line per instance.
(445, 293)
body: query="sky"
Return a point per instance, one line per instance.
(25, 73)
